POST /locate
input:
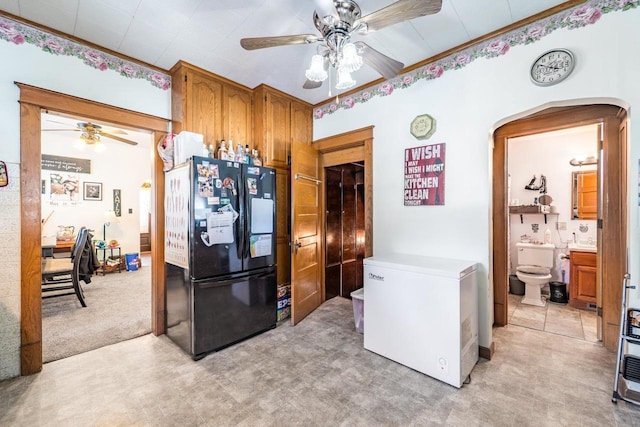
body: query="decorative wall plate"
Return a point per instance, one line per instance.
(423, 126)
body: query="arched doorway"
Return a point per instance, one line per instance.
(612, 216)
(32, 101)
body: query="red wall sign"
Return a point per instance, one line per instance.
(424, 175)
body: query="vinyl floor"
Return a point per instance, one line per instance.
(318, 374)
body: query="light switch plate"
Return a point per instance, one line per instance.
(561, 225)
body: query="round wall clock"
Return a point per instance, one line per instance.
(552, 67)
(423, 126)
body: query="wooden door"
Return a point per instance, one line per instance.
(306, 262)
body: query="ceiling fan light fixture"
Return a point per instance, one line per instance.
(351, 61)
(90, 137)
(345, 81)
(316, 71)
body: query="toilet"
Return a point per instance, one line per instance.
(534, 269)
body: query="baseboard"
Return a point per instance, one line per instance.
(486, 353)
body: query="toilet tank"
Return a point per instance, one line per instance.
(533, 254)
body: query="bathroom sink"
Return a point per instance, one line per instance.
(585, 247)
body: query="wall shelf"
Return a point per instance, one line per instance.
(529, 210)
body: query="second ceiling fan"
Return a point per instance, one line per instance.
(92, 133)
(337, 21)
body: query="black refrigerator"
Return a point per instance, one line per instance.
(220, 253)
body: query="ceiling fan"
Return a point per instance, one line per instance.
(91, 133)
(337, 21)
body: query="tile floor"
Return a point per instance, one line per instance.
(560, 319)
(318, 374)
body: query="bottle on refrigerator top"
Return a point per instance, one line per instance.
(255, 158)
(222, 151)
(240, 158)
(247, 155)
(230, 153)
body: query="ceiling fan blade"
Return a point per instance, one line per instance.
(263, 42)
(310, 84)
(385, 66)
(117, 138)
(60, 130)
(402, 10)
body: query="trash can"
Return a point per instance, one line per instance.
(132, 261)
(357, 297)
(558, 292)
(516, 286)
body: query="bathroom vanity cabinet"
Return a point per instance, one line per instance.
(582, 287)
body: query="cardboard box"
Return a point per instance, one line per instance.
(284, 301)
(284, 290)
(284, 313)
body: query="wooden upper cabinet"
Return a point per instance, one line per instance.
(301, 122)
(213, 106)
(278, 120)
(238, 115)
(278, 131)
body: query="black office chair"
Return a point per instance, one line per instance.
(63, 274)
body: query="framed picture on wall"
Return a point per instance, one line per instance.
(92, 191)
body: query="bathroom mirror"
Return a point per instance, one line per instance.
(584, 195)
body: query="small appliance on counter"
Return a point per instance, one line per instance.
(220, 253)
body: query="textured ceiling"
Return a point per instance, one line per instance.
(207, 33)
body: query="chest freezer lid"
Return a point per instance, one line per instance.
(444, 267)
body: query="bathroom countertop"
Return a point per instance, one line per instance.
(583, 247)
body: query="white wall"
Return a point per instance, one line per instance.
(107, 168)
(549, 154)
(468, 105)
(28, 64)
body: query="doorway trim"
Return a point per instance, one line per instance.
(32, 101)
(612, 250)
(352, 146)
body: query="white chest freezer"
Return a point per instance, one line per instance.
(422, 312)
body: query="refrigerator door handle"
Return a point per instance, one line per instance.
(247, 228)
(240, 225)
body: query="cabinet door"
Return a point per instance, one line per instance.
(238, 116)
(278, 131)
(204, 107)
(301, 122)
(587, 195)
(583, 286)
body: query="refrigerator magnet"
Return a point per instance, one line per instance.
(4, 175)
(252, 184)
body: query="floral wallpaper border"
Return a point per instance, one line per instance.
(579, 16)
(18, 33)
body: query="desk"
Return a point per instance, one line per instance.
(104, 267)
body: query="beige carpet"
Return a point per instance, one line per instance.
(118, 309)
